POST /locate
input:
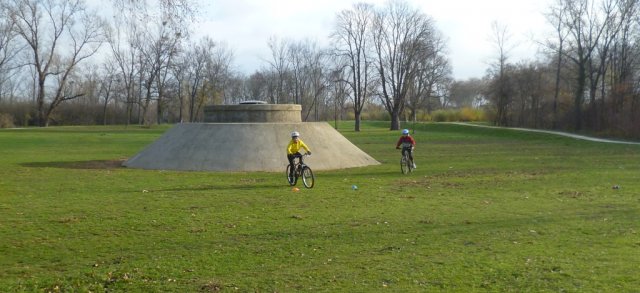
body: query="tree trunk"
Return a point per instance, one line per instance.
(395, 120)
(104, 110)
(579, 97)
(42, 120)
(556, 92)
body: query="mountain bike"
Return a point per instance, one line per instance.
(406, 164)
(301, 171)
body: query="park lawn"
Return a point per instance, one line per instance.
(486, 210)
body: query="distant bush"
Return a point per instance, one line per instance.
(490, 114)
(472, 115)
(445, 115)
(423, 116)
(376, 115)
(19, 113)
(464, 115)
(6, 120)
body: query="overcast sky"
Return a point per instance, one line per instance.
(246, 25)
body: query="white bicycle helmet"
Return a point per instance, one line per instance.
(295, 134)
(405, 131)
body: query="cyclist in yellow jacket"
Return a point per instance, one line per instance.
(293, 149)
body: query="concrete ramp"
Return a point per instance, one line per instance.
(247, 147)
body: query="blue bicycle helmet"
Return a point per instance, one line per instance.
(405, 131)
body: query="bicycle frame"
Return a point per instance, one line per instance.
(300, 170)
(299, 164)
(406, 164)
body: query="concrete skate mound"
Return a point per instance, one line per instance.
(247, 147)
(253, 113)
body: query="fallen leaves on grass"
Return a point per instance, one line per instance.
(572, 194)
(212, 287)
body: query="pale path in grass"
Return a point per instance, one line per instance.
(576, 136)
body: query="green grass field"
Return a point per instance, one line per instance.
(487, 210)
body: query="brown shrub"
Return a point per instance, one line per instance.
(6, 120)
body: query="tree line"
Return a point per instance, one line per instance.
(61, 63)
(588, 79)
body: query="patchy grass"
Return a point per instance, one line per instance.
(486, 210)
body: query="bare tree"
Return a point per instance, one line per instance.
(351, 37)
(625, 59)
(217, 73)
(338, 93)
(206, 71)
(585, 31)
(556, 17)
(599, 63)
(528, 82)
(162, 24)
(258, 86)
(235, 90)
(124, 46)
(467, 93)
(296, 52)
(8, 49)
(307, 71)
(179, 72)
(501, 91)
(44, 26)
(176, 14)
(156, 56)
(280, 65)
(318, 79)
(401, 36)
(108, 87)
(195, 74)
(433, 75)
(592, 60)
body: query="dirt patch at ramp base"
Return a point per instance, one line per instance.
(247, 147)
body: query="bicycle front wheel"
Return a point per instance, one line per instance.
(404, 165)
(307, 177)
(291, 178)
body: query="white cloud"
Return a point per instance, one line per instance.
(246, 25)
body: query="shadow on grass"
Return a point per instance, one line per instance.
(94, 164)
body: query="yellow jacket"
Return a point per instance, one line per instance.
(295, 147)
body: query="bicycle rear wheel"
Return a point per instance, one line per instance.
(291, 179)
(404, 165)
(307, 177)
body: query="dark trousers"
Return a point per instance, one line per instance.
(291, 159)
(410, 151)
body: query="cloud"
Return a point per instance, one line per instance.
(246, 26)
